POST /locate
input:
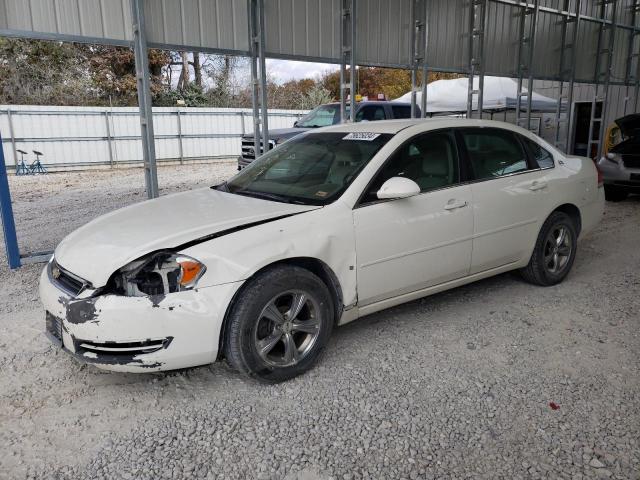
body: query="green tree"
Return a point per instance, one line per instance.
(113, 74)
(392, 82)
(43, 73)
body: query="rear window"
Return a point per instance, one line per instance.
(543, 158)
(401, 111)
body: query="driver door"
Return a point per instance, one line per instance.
(405, 245)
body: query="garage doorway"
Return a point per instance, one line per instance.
(580, 136)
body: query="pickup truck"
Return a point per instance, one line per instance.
(323, 116)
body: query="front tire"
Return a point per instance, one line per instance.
(279, 325)
(554, 252)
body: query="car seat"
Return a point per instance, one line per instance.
(436, 166)
(346, 162)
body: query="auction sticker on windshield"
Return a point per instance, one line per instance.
(366, 136)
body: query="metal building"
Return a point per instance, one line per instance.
(561, 42)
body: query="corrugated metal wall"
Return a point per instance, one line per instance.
(79, 135)
(108, 19)
(584, 92)
(310, 30)
(383, 32)
(211, 24)
(307, 28)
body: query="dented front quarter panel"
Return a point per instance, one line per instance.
(191, 320)
(325, 234)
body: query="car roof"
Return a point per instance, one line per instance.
(394, 126)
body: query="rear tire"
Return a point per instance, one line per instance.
(279, 325)
(615, 194)
(554, 252)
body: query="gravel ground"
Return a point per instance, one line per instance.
(497, 379)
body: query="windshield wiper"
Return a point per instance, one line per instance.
(223, 187)
(268, 196)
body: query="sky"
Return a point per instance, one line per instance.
(285, 70)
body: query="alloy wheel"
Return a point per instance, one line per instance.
(557, 249)
(287, 328)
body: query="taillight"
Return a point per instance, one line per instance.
(600, 177)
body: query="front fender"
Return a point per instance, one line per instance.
(326, 234)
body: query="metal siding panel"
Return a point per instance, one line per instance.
(502, 36)
(448, 35)
(154, 21)
(313, 28)
(113, 19)
(329, 21)
(624, 12)
(43, 15)
(18, 15)
(283, 26)
(172, 21)
(67, 17)
(90, 18)
(225, 24)
(382, 32)
(209, 22)
(191, 26)
(299, 27)
(620, 55)
(241, 26)
(548, 38)
(586, 53)
(373, 40)
(4, 22)
(272, 26)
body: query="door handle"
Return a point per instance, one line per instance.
(536, 185)
(453, 204)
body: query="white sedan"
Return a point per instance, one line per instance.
(335, 224)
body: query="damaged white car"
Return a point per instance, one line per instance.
(335, 224)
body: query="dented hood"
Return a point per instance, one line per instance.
(109, 242)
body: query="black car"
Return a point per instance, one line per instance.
(620, 167)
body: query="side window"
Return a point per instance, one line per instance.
(429, 159)
(370, 113)
(401, 111)
(494, 152)
(543, 158)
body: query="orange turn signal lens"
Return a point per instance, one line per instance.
(191, 271)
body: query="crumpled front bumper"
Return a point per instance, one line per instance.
(138, 334)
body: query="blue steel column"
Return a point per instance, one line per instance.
(8, 224)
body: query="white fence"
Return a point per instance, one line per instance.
(71, 137)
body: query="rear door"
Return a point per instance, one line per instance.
(510, 196)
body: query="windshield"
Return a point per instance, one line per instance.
(323, 116)
(313, 168)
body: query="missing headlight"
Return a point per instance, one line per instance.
(158, 274)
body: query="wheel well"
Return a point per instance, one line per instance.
(315, 266)
(574, 214)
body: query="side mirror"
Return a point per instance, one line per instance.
(295, 124)
(398, 187)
